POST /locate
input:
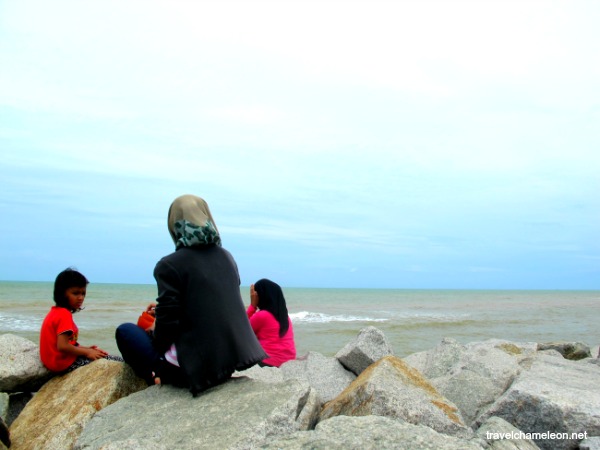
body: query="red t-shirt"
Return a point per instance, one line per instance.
(266, 328)
(58, 321)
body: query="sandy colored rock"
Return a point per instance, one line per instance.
(56, 415)
(391, 388)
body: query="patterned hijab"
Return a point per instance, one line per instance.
(190, 222)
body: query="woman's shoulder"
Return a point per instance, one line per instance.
(199, 254)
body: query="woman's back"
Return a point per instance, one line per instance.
(202, 312)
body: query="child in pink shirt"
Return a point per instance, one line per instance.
(270, 321)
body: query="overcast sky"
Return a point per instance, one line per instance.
(414, 144)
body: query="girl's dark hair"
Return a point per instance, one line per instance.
(68, 278)
(270, 298)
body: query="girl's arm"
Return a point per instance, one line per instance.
(250, 311)
(257, 321)
(64, 346)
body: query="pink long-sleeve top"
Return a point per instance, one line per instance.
(266, 328)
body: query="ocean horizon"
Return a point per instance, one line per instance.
(325, 319)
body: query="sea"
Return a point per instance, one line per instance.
(325, 320)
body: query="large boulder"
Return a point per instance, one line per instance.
(371, 433)
(391, 388)
(21, 369)
(241, 413)
(552, 395)
(55, 416)
(369, 346)
(472, 376)
(326, 375)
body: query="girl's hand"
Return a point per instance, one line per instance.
(253, 296)
(150, 309)
(95, 353)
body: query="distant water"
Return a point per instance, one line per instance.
(326, 319)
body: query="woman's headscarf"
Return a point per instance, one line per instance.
(270, 298)
(190, 222)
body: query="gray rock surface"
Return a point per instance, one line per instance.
(592, 443)
(20, 367)
(495, 431)
(594, 361)
(391, 388)
(472, 376)
(371, 433)
(569, 350)
(369, 346)
(551, 395)
(241, 413)
(265, 374)
(326, 375)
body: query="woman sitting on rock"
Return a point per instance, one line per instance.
(201, 334)
(271, 323)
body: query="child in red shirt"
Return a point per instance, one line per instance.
(270, 322)
(59, 349)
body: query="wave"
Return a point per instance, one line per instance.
(10, 323)
(314, 317)
(403, 318)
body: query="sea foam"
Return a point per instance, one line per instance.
(314, 317)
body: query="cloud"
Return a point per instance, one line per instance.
(380, 136)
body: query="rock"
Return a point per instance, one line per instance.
(370, 433)
(471, 376)
(241, 413)
(326, 375)
(569, 350)
(55, 416)
(551, 395)
(265, 374)
(592, 443)
(369, 346)
(501, 435)
(391, 388)
(551, 352)
(20, 367)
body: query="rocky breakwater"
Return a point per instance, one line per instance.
(482, 395)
